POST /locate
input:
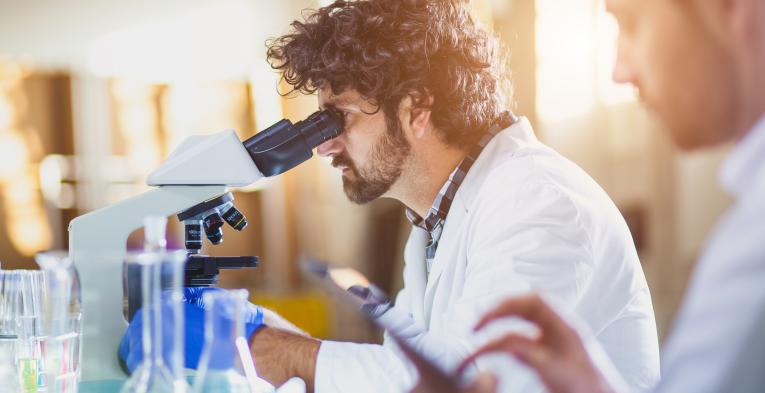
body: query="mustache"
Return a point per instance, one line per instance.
(342, 159)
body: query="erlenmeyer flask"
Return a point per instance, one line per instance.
(171, 286)
(226, 363)
(173, 317)
(161, 311)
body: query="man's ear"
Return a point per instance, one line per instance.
(420, 114)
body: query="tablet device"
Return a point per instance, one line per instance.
(352, 287)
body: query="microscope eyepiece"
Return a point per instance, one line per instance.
(320, 127)
(285, 145)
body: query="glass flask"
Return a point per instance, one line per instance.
(60, 323)
(226, 363)
(161, 275)
(171, 286)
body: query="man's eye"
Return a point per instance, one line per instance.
(339, 113)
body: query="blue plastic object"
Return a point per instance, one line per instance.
(131, 349)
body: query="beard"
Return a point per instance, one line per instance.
(384, 166)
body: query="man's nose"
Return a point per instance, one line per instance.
(330, 147)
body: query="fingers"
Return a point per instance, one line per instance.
(483, 383)
(194, 295)
(525, 349)
(524, 307)
(531, 308)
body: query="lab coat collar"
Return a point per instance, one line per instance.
(505, 142)
(508, 141)
(744, 168)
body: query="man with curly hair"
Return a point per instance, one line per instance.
(495, 213)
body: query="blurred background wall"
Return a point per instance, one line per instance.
(94, 94)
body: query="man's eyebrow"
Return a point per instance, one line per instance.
(342, 104)
(323, 106)
(331, 105)
(343, 99)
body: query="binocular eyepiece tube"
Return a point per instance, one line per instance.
(284, 145)
(274, 150)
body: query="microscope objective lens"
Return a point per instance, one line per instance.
(235, 218)
(212, 224)
(193, 236)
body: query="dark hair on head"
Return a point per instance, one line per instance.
(390, 49)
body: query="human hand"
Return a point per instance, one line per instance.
(131, 346)
(483, 383)
(557, 354)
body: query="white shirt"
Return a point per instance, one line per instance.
(726, 297)
(524, 219)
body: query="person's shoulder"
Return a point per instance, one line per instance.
(524, 183)
(739, 233)
(535, 176)
(529, 169)
(515, 166)
(510, 159)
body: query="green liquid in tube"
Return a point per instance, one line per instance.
(28, 375)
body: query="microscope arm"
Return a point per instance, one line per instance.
(97, 242)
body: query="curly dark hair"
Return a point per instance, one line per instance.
(390, 49)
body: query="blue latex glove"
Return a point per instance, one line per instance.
(131, 346)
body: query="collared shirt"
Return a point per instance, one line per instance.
(433, 223)
(740, 169)
(718, 323)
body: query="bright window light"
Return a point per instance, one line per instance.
(575, 53)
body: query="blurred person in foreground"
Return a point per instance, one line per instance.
(700, 66)
(495, 213)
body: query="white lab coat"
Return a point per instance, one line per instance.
(524, 219)
(726, 296)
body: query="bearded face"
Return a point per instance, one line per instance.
(367, 181)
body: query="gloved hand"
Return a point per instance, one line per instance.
(131, 348)
(194, 295)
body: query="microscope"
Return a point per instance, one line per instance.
(193, 184)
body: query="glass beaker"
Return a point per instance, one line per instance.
(21, 337)
(226, 363)
(161, 311)
(60, 322)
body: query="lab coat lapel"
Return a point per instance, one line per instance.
(414, 272)
(446, 250)
(520, 132)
